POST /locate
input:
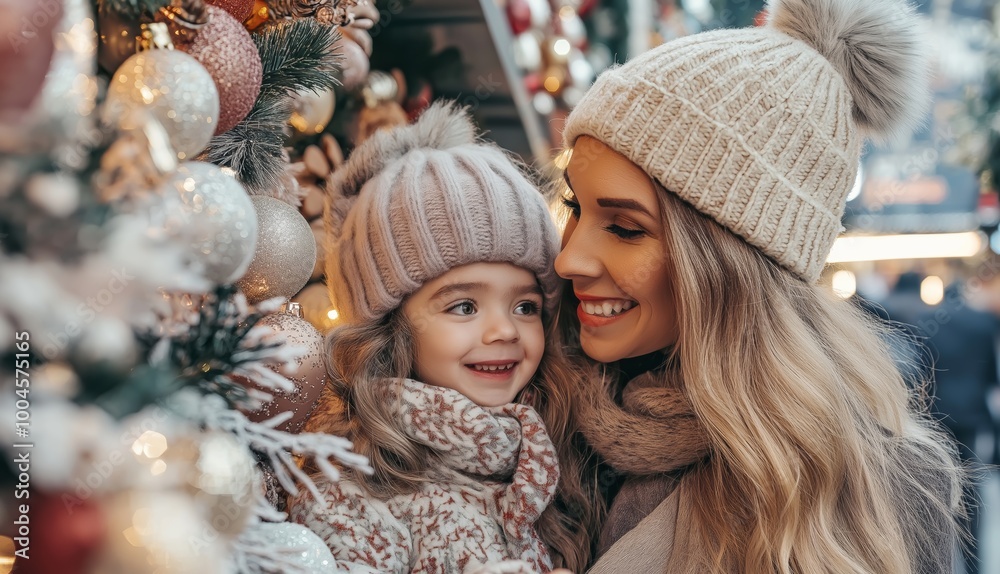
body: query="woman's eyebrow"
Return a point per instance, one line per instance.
(623, 203)
(566, 179)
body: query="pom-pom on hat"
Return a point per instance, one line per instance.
(415, 201)
(762, 128)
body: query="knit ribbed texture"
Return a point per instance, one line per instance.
(750, 127)
(424, 211)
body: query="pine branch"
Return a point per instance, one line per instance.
(221, 341)
(298, 55)
(254, 147)
(135, 9)
(279, 446)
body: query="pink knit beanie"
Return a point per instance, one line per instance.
(762, 128)
(415, 201)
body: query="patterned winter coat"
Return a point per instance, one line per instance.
(495, 474)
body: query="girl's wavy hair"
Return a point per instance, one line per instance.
(362, 357)
(823, 461)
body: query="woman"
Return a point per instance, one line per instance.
(750, 422)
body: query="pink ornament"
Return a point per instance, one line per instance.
(26, 51)
(226, 50)
(307, 373)
(355, 64)
(239, 9)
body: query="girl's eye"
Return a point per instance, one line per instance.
(463, 308)
(527, 308)
(624, 232)
(573, 206)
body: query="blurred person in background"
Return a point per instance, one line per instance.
(961, 340)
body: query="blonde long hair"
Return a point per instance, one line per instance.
(363, 357)
(822, 461)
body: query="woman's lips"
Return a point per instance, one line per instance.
(590, 320)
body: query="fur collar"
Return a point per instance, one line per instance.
(651, 430)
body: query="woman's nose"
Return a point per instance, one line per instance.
(576, 261)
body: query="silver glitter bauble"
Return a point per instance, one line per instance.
(285, 254)
(176, 89)
(311, 553)
(209, 211)
(307, 373)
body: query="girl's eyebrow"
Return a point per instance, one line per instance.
(457, 288)
(526, 289)
(516, 291)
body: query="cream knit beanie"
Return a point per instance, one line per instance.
(413, 202)
(762, 128)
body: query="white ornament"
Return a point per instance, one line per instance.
(176, 90)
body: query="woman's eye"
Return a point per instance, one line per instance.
(463, 308)
(573, 206)
(624, 232)
(527, 308)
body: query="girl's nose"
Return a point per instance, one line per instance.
(500, 328)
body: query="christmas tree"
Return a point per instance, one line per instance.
(149, 242)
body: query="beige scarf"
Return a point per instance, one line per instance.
(651, 436)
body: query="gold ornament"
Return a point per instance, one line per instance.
(158, 531)
(317, 308)
(326, 11)
(258, 16)
(380, 87)
(311, 112)
(285, 253)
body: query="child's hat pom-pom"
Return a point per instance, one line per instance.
(443, 125)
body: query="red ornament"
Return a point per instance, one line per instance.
(239, 9)
(533, 82)
(226, 50)
(421, 101)
(519, 16)
(66, 532)
(585, 7)
(760, 20)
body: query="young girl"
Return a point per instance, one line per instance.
(440, 261)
